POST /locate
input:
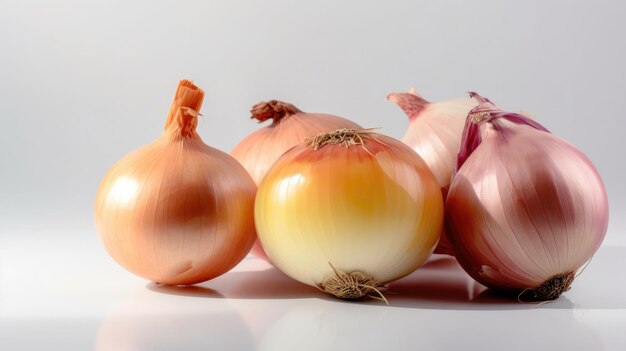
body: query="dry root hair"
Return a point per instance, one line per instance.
(344, 137)
(550, 290)
(353, 285)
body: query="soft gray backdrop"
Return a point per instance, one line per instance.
(84, 82)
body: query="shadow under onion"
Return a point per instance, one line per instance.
(269, 283)
(440, 284)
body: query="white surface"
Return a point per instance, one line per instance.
(59, 294)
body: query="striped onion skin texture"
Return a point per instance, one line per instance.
(290, 126)
(373, 208)
(259, 150)
(177, 211)
(434, 132)
(525, 206)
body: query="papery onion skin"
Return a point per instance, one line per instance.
(290, 126)
(177, 211)
(434, 132)
(525, 206)
(374, 208)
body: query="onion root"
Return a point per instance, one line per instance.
(351, 286)
(549, 290)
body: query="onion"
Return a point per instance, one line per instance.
(258, 151)
(348, 212)
(526, 209)
(177, 211)
(434, 132)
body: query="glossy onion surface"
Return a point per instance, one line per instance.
(524, 207)
(374, 208)
(177, 211)
(434, 132)
(259, 150)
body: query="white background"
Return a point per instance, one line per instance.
(84, 82)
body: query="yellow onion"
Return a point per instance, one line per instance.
(349, 211)
(526, 209)
(434, 132)
(258, 151)
(177, 211)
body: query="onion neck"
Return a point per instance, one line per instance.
(487, 113)
(481, 100)
(184, 124)
(273, 109)
(188, 95)
(411, 103)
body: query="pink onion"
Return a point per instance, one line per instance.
(434, 132)
(526, 209)
(290, 126)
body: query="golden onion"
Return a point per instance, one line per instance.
(258, 151)
(349, 211)
(177, 211)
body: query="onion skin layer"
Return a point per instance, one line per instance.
(290, 126)
(525, 206)
(434, 132)
(177, 211)
(374, 208)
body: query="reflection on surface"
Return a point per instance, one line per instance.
(283, 186)
(123, 191)
(437, 307)
(317, 325)
(441, 284)
(252, 279)
(260, 292)
(186, 290)
(149, 321)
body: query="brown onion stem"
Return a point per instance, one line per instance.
(274, 109)
(187, 95)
